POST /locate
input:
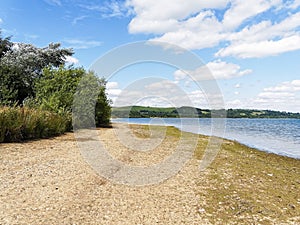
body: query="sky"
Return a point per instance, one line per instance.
(251, 48)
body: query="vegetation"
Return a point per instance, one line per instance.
(234, 190)
(22, 64)
(191, 112)
(91, 105)
(21, 123)
(36, 83)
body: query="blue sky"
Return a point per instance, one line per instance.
(251, 47)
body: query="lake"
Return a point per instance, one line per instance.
(280, 136)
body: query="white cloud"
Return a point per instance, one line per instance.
(77, 19)
(282, 97)
(288, 86)
(163, 85)
(275, 95)
(82, 44)
(262, 48)
(113, 91)
(112, 85)
(201, 31)
(1, 21)
(150, 12)
(110, 8)
(237, 85)
(54, 2)
(70, 59)
(213, 70)
(224, 70)
(241, 10)
(264, 39)
(294, 4)
(266, 30)
(195, 25)
(115, 9)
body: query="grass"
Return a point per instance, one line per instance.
(244, 185)
(249, 185)
(22, 123)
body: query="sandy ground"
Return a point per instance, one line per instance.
(49, 182)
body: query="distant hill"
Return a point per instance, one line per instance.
(191, 112)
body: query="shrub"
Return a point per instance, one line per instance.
(22, 123)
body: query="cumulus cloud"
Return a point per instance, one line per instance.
(288, 86)
(1, 21)
(218, 70)
(261, 49)
(174, 13)
(284, 97)
(113, 90)
(112, 85)
(197, 25)
(241, 10)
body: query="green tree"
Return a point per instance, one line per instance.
(23, 63)
(56, 88)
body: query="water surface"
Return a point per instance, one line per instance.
(280, 136)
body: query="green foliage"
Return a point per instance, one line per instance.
(191, 112)
(91, 106)
(21, 123)
(56, 88)
(21, 64)
(37, 79)
(13, 87)
(103, 108)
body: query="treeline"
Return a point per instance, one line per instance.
(37, 91)
(191, 112)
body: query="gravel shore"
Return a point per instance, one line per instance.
(49, 182)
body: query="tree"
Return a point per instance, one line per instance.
(5, 45)
(55, 88)
(55, 91)
(24, 63)
(13, 87)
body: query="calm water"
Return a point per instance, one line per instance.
(280, 136)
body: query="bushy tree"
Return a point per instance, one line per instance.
(21, 64)
(56, 88)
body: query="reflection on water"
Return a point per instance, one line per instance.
(280, 136)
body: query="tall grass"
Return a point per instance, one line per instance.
(21, 123)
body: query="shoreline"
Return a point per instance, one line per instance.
(262, 149)
(47, 181)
